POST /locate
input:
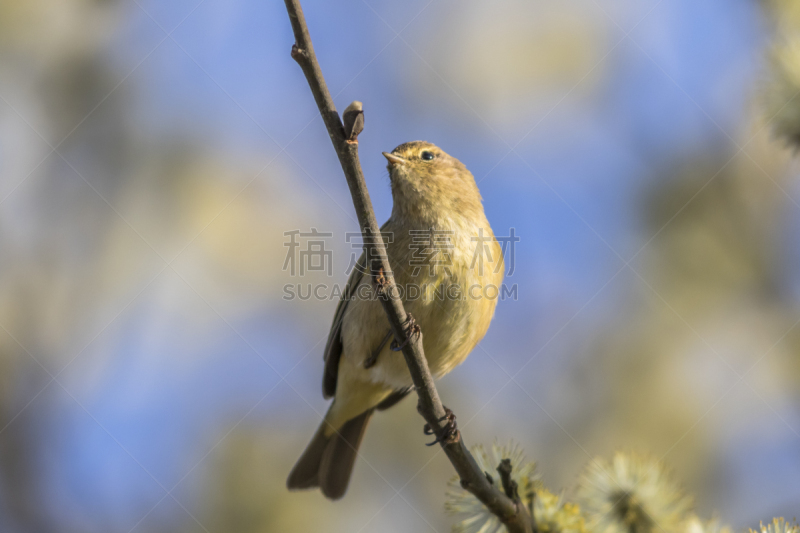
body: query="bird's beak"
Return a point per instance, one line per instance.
(394, 159)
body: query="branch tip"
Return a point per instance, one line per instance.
(353, 118)
(510, 486)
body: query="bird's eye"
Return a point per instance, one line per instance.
(427, 156)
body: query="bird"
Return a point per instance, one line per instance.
(447, 263)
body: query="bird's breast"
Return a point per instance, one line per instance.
(449, 277)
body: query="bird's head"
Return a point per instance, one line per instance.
(429, 183)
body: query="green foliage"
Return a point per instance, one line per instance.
(778, 525)
(630, 493)
(475, 517)
(554, 515)
(782, 105)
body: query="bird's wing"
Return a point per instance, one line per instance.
(333, 349)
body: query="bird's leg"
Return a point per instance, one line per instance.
(450, 433)
(412, 328)
(372, 359)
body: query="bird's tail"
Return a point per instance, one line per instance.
(328, 459)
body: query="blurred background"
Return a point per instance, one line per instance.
(154, 378)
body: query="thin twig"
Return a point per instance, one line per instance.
(510, 486)
(511, 513)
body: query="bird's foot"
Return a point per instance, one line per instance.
(450, 433)
(412, 330)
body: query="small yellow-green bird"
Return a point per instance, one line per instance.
(449, 266)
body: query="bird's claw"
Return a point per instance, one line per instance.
(450, 433)
(412, 330)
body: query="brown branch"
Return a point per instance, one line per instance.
(513, 514)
